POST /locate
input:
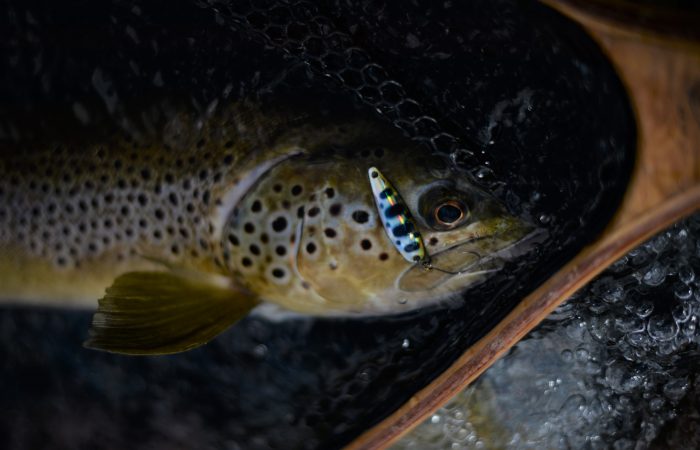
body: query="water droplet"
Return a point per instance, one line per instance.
(406, 343)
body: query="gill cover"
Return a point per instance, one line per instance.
(396, 218)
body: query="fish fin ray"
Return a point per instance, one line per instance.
(155, 313)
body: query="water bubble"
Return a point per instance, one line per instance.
(630, 324)
(643, 309)
(260, 351)
(405, 344)
(655, 275)
(662, 328)
(682, 291)
(582, 354)
(656, 404)
(675, 390)
(686, 274)
(682, 312)
(567, 355)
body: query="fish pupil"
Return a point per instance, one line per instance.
(448, 213)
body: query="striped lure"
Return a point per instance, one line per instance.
(396, 218)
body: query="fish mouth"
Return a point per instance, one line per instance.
(470, 261)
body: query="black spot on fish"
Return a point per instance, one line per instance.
(279, 224)
(174, 249)
(385, 193)
(264, 238)
(310, 247)
(335, 209)
(159, 214)
(296, 190)
(228, 159)
(277, 188)
(330, 192)
(402, 230)
(360, 216)
(300, 212)
(330, 232)
(146, 174)
(249, 228)
(366, 244)
(313, 212)
(383, 256)
(278, 273)
(280, 250)
(246, 262)
(395, 210)
(254, 249)
(173, 198)
(375, 174)
(256, 206)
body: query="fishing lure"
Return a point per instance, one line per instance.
(397, 220)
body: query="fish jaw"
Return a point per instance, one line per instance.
(466, 258)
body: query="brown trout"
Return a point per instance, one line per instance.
(190, 231)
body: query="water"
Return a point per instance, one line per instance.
(613, 367)
(517, 96)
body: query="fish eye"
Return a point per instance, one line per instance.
(449, 213)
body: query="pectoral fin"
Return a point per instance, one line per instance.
(151, 313)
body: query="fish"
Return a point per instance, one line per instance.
(176, 236)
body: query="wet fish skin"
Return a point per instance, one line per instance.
(244, 207)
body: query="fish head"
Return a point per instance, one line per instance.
(309, 235)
